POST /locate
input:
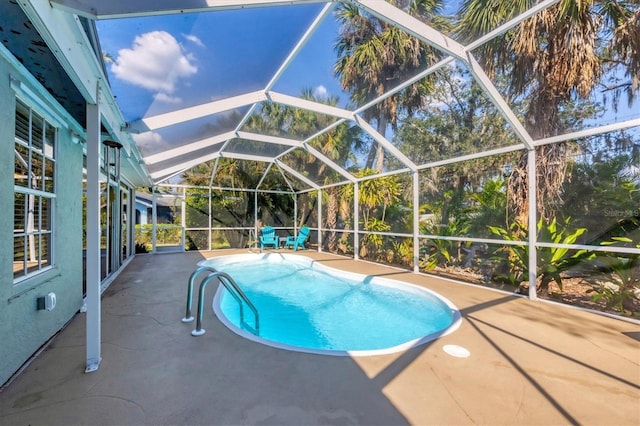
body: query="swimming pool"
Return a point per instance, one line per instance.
(306, 306)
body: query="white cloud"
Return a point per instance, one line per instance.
(150, 143)
(320, 92)
(168, 99)
(155, 61)
(193, 39)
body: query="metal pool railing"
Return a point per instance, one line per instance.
(232, 287)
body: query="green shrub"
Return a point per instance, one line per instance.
(166, 234)
(617, 279)
(552, 261)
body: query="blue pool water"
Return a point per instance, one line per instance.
(309, 307)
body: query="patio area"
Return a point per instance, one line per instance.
(531, 363)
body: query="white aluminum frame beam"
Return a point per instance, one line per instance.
(276, 140)
(309, 105)
(66, 38)
(166, 155)
(186, 149)
(473, 156)
(191, 163)
(247, 157)
(446, 61)
(301, 43)
(589, 132)
(385, 143)
(62, 33)
(292, 55)
(264, 176)
(101, 9)
(297, 144)
(532, 193)
(510, 24)
(159, 181)
(198, 111)
(435, 67)
(177, 168)
(504, 109)
(427, 34)
(326, 160)
(402, 20)
(297, 174)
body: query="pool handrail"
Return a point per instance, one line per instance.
(188, 317)
(233, 288)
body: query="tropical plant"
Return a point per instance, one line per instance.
(402, 253)
(375, 197)
(618, 278)
(459, 119)
(374, 56)
(371, 244)
(600, 196)
(440, 252)
(552, 261)
(489, 206)
(553, 58)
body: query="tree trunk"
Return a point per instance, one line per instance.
(382, 129)
(332, 218)
(375, 158)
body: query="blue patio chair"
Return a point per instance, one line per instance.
(268, 237)
(295, 242)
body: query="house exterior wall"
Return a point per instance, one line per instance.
(23, 328)
(142, 214)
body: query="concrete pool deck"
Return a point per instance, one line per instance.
(530, 363)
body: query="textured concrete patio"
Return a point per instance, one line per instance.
(530, 363)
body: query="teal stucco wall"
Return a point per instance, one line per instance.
(23, 328)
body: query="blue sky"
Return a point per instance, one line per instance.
(166, 63)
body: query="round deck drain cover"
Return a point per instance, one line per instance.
(457, 351)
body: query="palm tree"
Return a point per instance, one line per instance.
(337, 144)
(374, 57)
(554, 58)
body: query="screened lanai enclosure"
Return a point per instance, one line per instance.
(492, 142)
(496, 142)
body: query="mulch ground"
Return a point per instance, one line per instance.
(575, 291)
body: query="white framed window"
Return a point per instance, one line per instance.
(34, 192)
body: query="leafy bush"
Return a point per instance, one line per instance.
(141, 248)
(166, 234)
(552, 261)
(619, 278)
(372, 244)
(402, 253)
(440, 252)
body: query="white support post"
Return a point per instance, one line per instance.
(416, 221)
(154, 220)
(319, 220)
(356, 219)
(183, 209)
(295, 214)
(93, 323)
(255, 218)
(533, 229)
(209, 218)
